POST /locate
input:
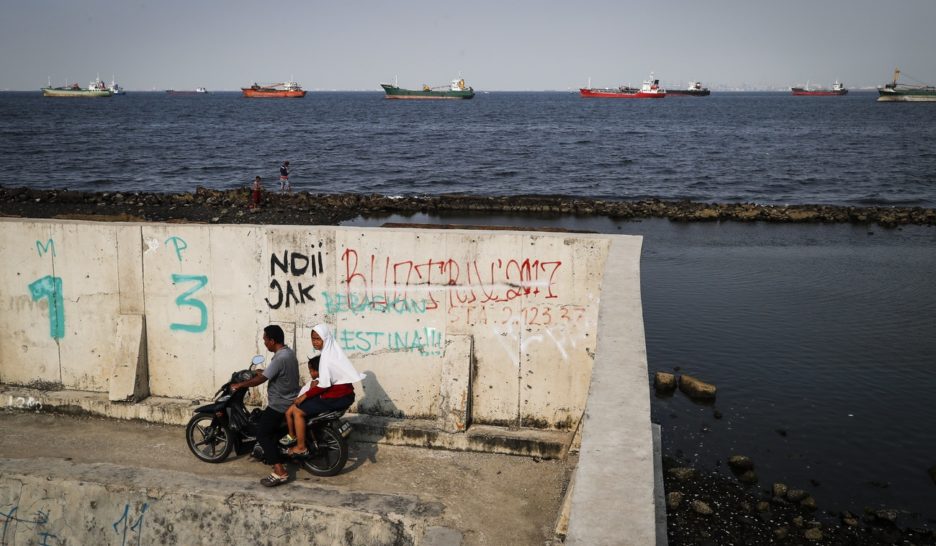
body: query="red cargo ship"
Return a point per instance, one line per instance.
(274, 90)
(649, 90)
(838, 89)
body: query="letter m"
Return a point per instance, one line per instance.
(50, 245)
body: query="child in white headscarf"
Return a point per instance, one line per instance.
(330, 388)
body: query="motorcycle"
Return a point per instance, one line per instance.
(225, 425)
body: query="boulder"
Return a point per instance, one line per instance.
(813, 534)
(748, 477)
(702, 508)
(796, 495)
(673, 500)
(779, 489)
(695, 388)
(664, 382)
(681, 473)
(740, 462)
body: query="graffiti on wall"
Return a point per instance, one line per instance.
(186, 298)
(128, 527)
(425, 341)
(50, 289)
(380, 280)
(297, 272)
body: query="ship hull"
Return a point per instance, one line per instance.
(80, 93)
(615, 94)
(904, 95)
(393, 92)
(689, 92)
(272, 93)
(800, 92)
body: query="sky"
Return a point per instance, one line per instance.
(493, 44)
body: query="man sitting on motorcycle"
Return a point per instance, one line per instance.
(283, 377)
(330, 389)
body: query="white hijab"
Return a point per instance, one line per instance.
(334, 366)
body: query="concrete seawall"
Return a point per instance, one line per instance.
(471, 340)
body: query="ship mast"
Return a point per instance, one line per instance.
(896, 75)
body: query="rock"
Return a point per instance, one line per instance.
(740, 462)
(695, 388)
(779, 489)
(850, 521)
(664, 382)
(796, 495)
(681, 473)
(673, 500)
(702, 508)
(813, 534)
(798, 521)
(748, 477)
(808, 503)
(718, 415)
(885, 515)
(763, 506)
(781, 532)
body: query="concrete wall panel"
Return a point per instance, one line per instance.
(86, 261)
(179, 310)
(558, 332)
(28, 319)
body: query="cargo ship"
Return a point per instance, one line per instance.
(649, 90)
(285, 90)
(694, 89)
(95, 89)
(838, 89)
(455, 90)
(903, 92)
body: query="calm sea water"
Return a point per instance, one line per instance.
(753, 147)
(821, 339)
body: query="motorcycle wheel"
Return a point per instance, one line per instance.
(332, 453)
(208, 439)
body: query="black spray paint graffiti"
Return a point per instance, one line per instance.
(298, 268)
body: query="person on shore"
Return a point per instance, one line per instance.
(283, 387)
(255, 192)
(331, 388)
(284, 176)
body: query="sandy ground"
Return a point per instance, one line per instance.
(491, 499)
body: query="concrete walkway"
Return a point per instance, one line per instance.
(77, 476)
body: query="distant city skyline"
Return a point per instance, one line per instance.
(514, 46)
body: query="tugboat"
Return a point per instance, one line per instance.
(838, 89)
(695, 89)
(455, 90)
(285, 90)
(96, 89)
(649, 90)
(115, 87)
(903, 92)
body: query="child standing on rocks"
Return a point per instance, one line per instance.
(255, 193)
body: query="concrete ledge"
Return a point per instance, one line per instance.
(110, 504)
(481, 438)
(384, 430)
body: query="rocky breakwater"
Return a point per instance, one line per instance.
(230, 206)
(713, 508)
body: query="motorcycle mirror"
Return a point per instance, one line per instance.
(257, 360)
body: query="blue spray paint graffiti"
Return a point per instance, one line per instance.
(184, 300)
(352, 303)
(40, 248)
(51, 288)
(425, 341)
(135, 526)
(179, 244)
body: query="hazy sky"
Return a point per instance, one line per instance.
(493, 44)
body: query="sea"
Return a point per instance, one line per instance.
(820, 338)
